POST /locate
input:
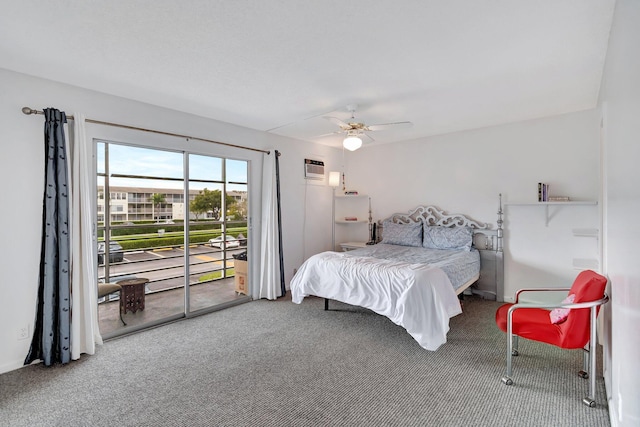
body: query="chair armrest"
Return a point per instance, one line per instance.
(587, 304)
(520, 291)
(105, 289)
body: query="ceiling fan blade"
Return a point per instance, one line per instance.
(369, 136)
(338, 132)
(383, 126)
(337, 121)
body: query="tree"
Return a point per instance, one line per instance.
(210, 201)
(199, 205)
(195, 210)
(156, 199)
(238, 211)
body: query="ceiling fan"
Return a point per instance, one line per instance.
(355, 129)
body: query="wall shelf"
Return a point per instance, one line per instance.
(547, 204)
(357, 208)
(350, 196)
(585, 232)
(570, 202)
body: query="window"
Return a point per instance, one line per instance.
(152, 234)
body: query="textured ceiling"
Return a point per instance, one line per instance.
(280, 65)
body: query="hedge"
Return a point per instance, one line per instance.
(153, 228)
(155, 241)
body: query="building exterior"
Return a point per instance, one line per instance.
(135, 203)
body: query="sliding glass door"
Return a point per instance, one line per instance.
(170, 227)
(218, 211)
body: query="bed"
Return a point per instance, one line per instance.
(425, 259)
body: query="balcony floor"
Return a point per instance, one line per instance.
(161, 305)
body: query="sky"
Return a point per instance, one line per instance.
(140, 161)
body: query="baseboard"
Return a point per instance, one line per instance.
(8, 367)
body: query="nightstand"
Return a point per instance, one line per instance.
(349, 246)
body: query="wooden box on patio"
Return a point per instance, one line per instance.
(241, 279)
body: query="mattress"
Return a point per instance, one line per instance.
(459, 266)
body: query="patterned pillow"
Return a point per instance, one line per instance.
(402, 234)
(436, 237)
(559, 315)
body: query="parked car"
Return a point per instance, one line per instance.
(231, 242)
(116, 253)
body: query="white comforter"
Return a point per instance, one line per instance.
(417, 297)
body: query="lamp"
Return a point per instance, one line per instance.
(352, 142)
(334, 181)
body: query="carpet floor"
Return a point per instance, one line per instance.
(275, 363)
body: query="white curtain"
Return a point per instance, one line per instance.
(85, 333)
(269, 254)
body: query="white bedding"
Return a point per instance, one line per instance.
(418, 297)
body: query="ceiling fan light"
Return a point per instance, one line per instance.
(352, 143)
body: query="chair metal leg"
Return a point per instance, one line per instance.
(514, 351)
(507, 378)
(590, 400)
(584, 373)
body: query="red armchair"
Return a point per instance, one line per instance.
(533, 321)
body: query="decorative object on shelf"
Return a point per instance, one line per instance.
(350, 193)
(350, 218)
(543, 192)
(372, 227)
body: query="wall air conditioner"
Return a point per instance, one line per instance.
(313, 169)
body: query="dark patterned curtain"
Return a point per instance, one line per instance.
(51, 336)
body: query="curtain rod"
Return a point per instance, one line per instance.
(27, 111)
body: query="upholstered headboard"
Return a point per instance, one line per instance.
(484, 234)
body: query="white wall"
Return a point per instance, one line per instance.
(21, 174)
(620, 100)
(464, 173)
